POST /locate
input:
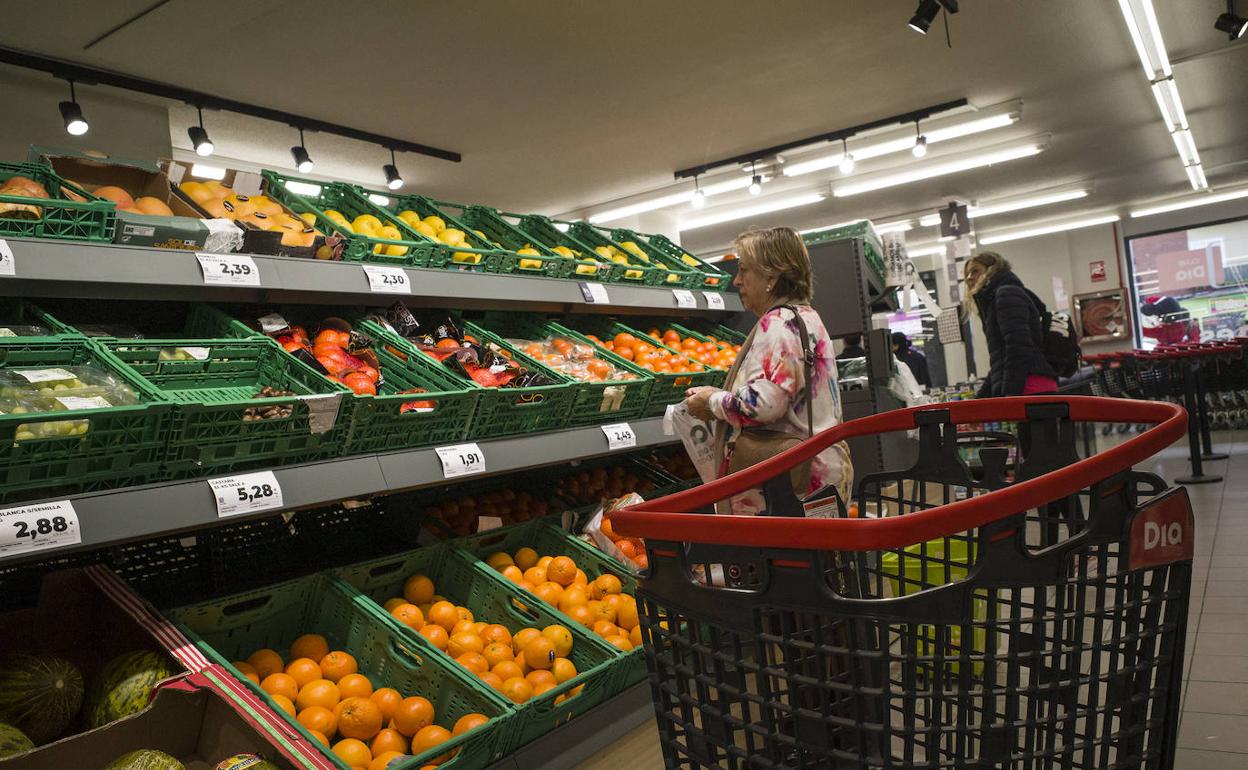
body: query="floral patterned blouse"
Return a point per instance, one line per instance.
(770, 390)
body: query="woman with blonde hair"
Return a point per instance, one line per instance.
(783, 388)
(1010, 314)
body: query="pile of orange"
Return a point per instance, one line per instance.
(366, 727)
(510, 505)
(520, 666)
(677, 463)
(600, 605)
(576, 360)
(714, 352)
(652, 358)
(604, 482)
(633, 548)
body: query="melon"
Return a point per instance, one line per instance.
(246, 762)
(39, 694)
(125, 685)
(13, 741)
(145, 759)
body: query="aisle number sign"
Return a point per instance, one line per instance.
(684, 298)
(620, 435)
(461, 460)
(714, 300)
(229, 269)
(246, 493)
(38, 527)
(387, 280)
(8, 265)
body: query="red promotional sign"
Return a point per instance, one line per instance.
(1097, 269)
(1163, 533)
(1196, 268)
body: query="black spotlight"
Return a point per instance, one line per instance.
(1231, 23)
(303, 161)
(71, 113)
(927, 11)
(391, 170)
(199, 137)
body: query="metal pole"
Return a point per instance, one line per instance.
(1205, 433)
(1198, 475)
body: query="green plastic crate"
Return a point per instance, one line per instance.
(549, 540)
(493, 599)
(873, 251)
(724, 333)
(17, 313)
(122, 445)
(209, 432)
(491, 223)
(668, 388)
(154, 319)
(233, 627)
(637, 272)
(713, 279)
(679, 273)
(91, 219)
(543, 230)
(593, 402)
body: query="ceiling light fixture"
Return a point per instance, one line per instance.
(939, 167)
(987, 210)
(1231, 23)
(926, 250)
(199, 137)
(71, 113)
(846, 163)
(762, 207)
(1196, 177)
(393, 180)
(903, 226)
(302, 188)
(1060, 227)
(1171, 106)
(756, 181)
(303, 161)
(204, 171)
(699, 198)
(1142, 24)
(1186, 146)
(924, 15)
(1190, 203)
(674, 199)
(920, 142)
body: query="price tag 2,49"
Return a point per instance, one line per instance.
(387, 280)
(246, 493)
(684, 298)
(461, 460)
(714, 300)
(8, 265)
(229, 269)
(38, 526)
(619, 436)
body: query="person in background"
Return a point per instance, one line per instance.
(1011, 321)
(853, 347)
(911, 358)
(768, 401)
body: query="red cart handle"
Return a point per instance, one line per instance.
(667, 518)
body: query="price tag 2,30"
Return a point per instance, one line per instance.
(229, 269)
(595, 293)
(619, 436)
(387, 280)
(8, 265)
(38, 526)
(714, 300)
(246, 493)
(461, 460)
(684, 298)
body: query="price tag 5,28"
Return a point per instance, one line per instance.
(619, 435)
(387, 280)
(38, 526)
(229, 269)
(246, 493)
(461, 460)
(714, 300)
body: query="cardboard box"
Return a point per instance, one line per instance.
(191, 719)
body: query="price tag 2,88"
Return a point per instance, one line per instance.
(247, 493)
(229, 269)
(387, 280)
(461, 460)
(714, 300)
(38, 526)
(8, 265)
(619, 436)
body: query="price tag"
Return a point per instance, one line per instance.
(38, 526)
(73, 403)
(8, 265)
(486, 523)
(387, 280)
(714, 300)
(684, 298)
(595, 293)
(247, 493)
(461, 460)
(620, 436)
(45, 375)
(229, 269)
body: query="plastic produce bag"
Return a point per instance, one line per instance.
(47, 390)
(605, 543)
(697, 436)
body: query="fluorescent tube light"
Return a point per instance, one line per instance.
(931, 220)
(765, 206)
(1196, 176)
(1060, 227)
(204, 171)
(380, 200)
(302, 188)
(893, 227)
(1191, 203)
(925, 251)
(1171, 106)
(940, 167)
(1186, 145)
(673, 199)
(1142, 24)
(562, 227)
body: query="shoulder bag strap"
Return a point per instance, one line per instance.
(808, 362)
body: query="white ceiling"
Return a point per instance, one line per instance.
(559, 105)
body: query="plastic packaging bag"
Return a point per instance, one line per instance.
(602, 538)
(697, 436)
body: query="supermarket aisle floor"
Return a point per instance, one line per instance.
(1213, 732)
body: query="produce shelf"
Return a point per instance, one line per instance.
(133, 513)
(47, 268)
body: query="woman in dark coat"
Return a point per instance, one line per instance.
(1011, 318)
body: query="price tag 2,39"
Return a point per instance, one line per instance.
(714, 300)
(8, 265)
(229, 269)
(38, 526)
(387, 280)
(246, 493)
(619, 436)
(461, 460)
(684, 298)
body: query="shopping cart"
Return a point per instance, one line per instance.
(977, 624)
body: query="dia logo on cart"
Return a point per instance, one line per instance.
(1163, 532)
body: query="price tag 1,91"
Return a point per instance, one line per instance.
(684, 298)
(387, 280)
(246, 493)
(714, 300)
(8, 265)
(229, 269)
(38, 526)
(620, 436)
(461, 460)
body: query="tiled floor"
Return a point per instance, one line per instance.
(1213, 731)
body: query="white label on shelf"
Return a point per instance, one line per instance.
(461, 460)
(229, 269)
(595, 293)
(619, 436)
(684, 298)
(387, 280)
(38, 526)
(78, 402)
(8, 265)
(714, 300)
(45, 375)
(246, 493)
(273, 322)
